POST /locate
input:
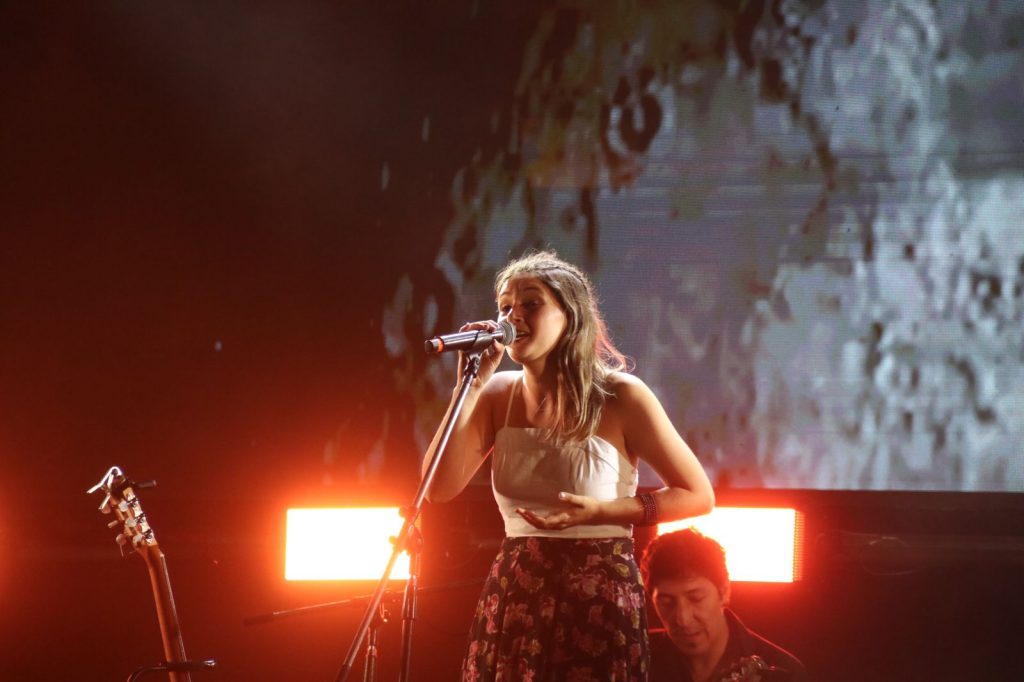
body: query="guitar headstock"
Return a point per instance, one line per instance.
(120, 500)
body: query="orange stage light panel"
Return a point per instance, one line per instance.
(761, 544)
(342, 544)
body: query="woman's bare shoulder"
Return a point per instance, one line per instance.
(506, 377)
(630, 396)
(625, 386)
(501, 382)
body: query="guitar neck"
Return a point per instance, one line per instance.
(167, 614)
(137, 537)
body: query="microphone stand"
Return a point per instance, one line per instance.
(409, 539)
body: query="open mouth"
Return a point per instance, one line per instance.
(521, 335)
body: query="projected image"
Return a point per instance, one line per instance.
(804, 221)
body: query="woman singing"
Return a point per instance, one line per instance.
(563, 600)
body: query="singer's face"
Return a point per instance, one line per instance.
(532, 308)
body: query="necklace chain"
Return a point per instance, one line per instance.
(540, 405)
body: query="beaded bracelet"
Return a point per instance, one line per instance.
(650, 509)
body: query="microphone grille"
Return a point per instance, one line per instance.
(508, 332)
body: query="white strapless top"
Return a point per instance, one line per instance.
(528, 472)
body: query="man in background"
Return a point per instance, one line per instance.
(704, 641)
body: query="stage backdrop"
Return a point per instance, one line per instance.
(804, 221)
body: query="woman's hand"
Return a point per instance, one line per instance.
(489, 359)
(580, 510)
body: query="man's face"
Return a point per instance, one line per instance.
(691, 609)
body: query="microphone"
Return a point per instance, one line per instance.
(473, 340)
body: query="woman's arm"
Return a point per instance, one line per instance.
(473, 434)
(468, 446)
(650, 435)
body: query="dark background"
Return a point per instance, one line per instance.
(206, 207)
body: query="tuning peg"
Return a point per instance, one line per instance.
(123, 542)
(114, 524)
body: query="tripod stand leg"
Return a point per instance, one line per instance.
(370, 664)
(410, 603)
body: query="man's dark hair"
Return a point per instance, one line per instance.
(683, 554)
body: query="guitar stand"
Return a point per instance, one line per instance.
(183, 667)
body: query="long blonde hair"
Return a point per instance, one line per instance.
(585, 356)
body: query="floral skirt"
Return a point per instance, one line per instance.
(556, 609)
